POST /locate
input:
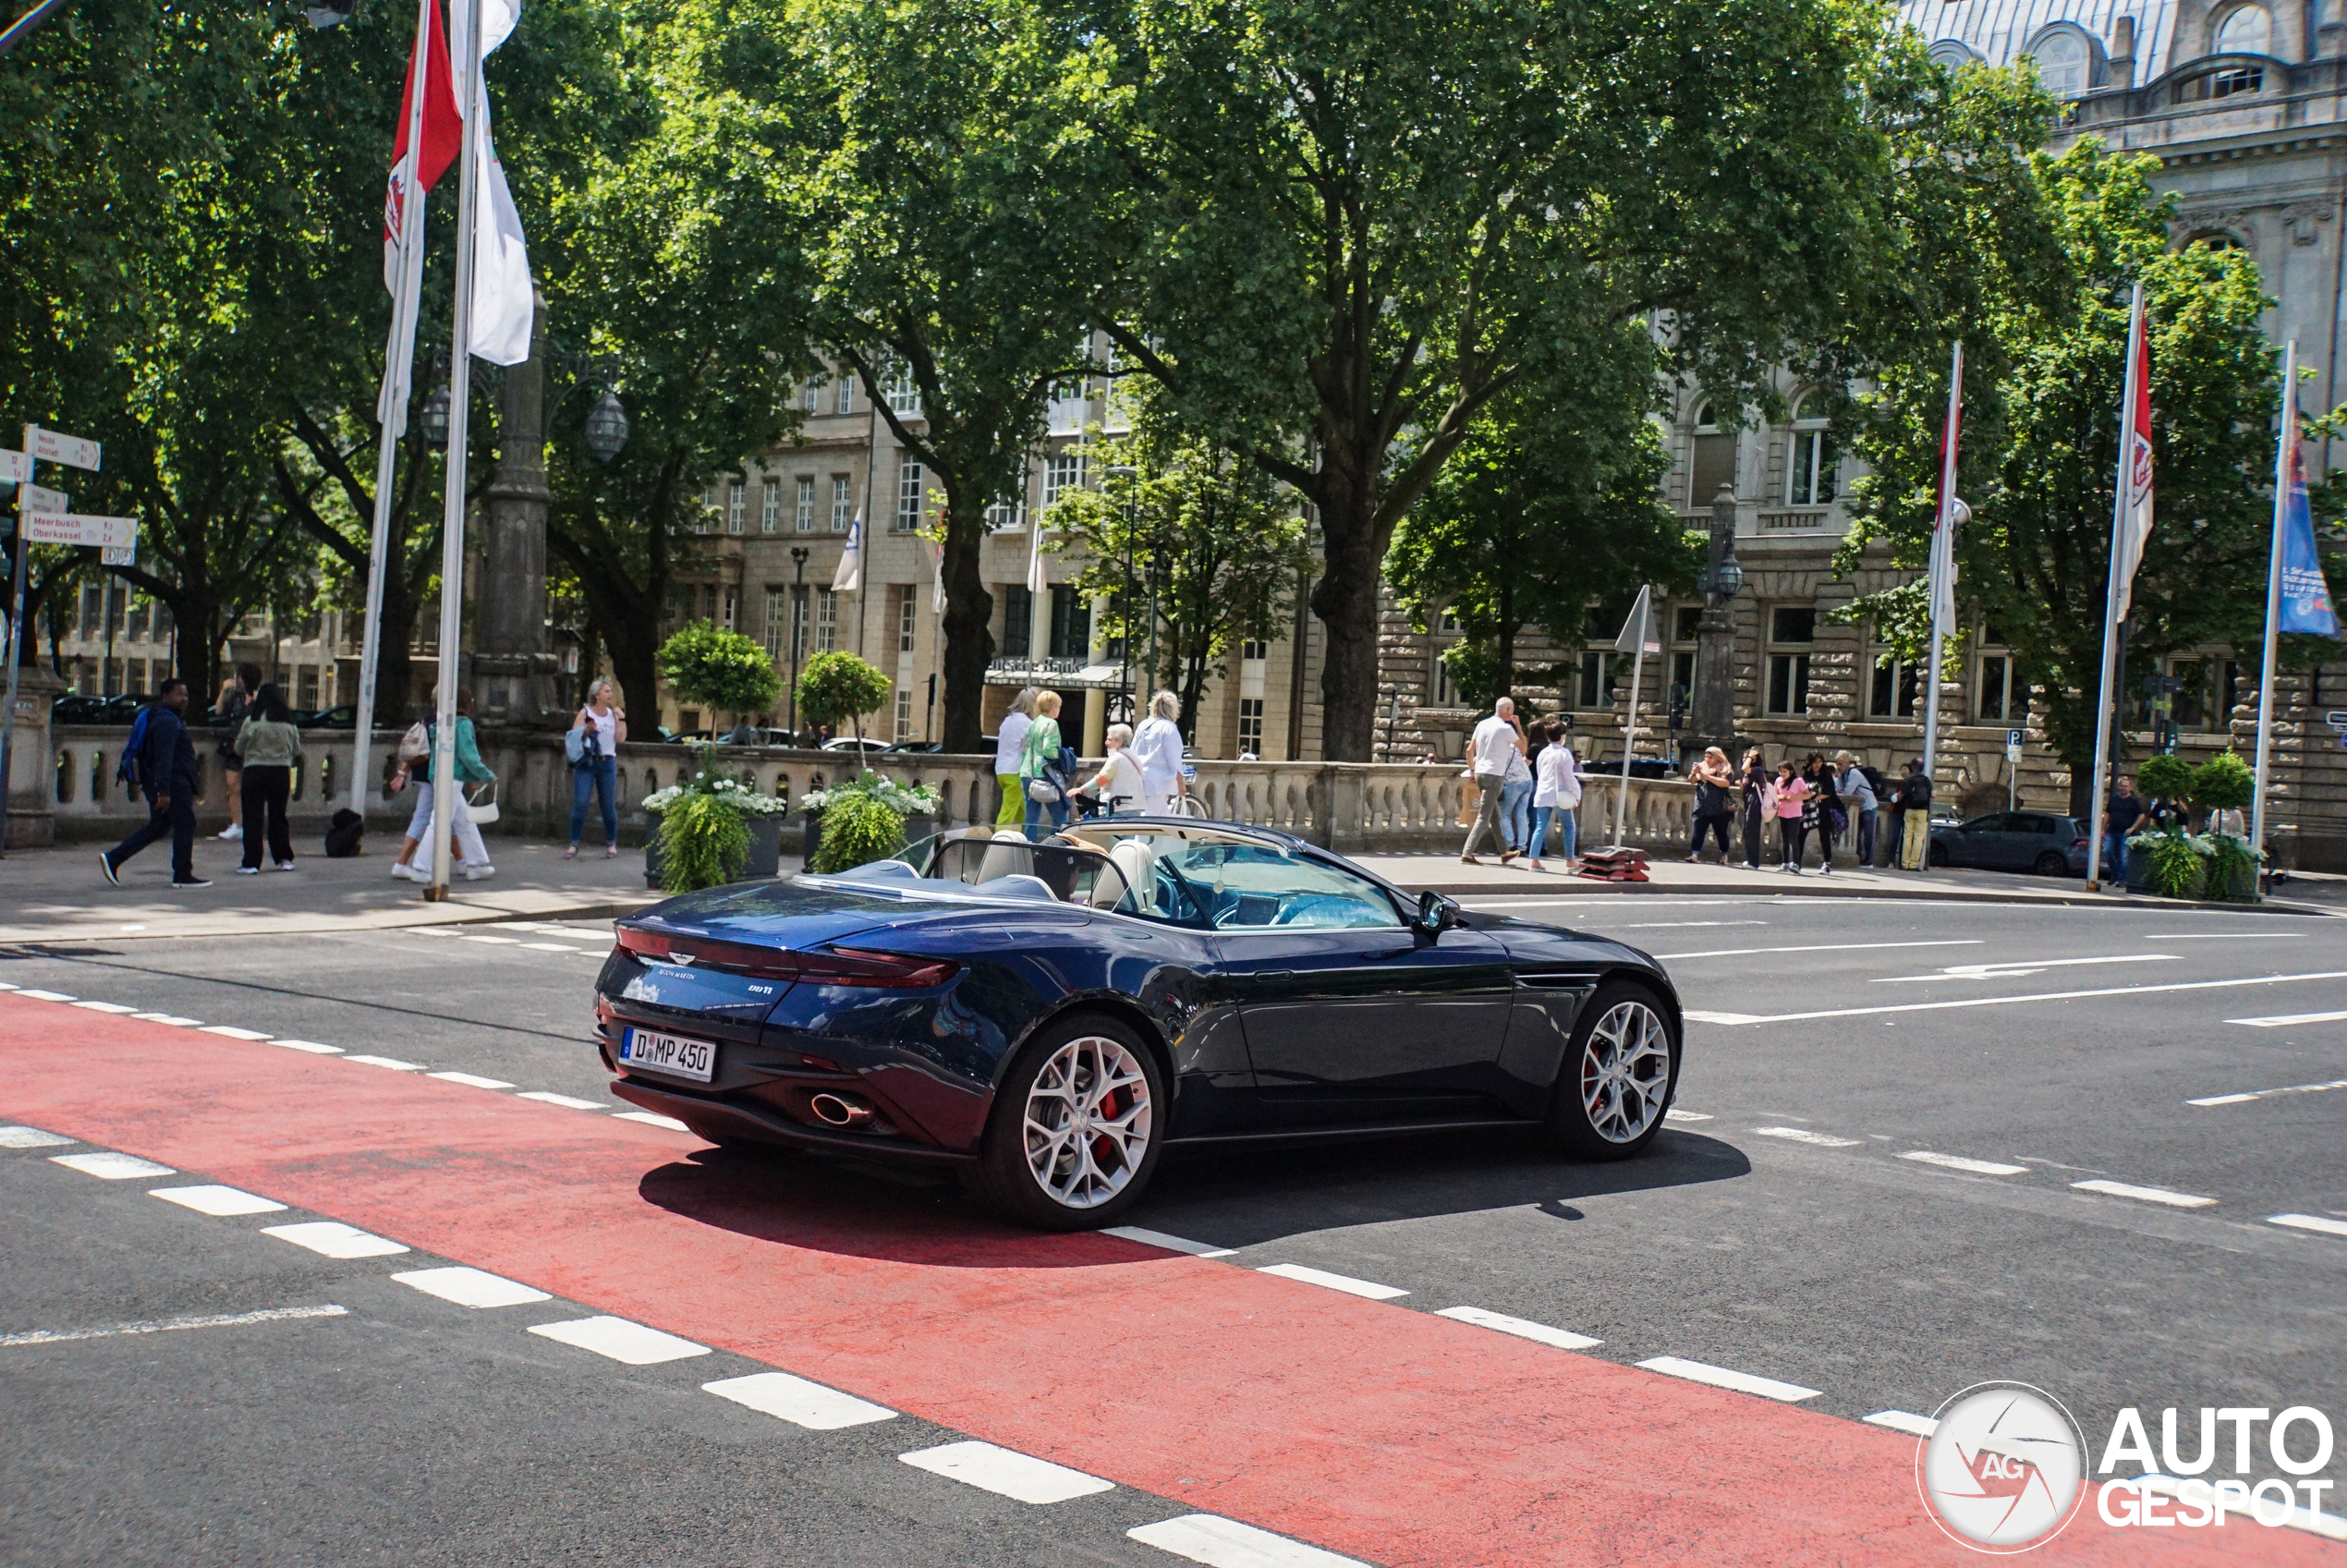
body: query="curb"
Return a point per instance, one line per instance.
(1821, 888)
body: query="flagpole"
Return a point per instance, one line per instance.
(1943, 559)
(1639, 617)
(447, 799)
(2103, 714)
(2283, 480)
(399, 363)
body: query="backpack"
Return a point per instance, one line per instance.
(344, 834)
(132, 768)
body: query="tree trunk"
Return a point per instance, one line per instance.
(970, 610)
(1346, 603)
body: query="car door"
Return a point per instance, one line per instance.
(1979, 841)
(1373, 1020)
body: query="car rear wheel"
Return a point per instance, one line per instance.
(2051, 864)
(1618, 1075)
(1075, 1131)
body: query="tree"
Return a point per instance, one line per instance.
(1354, 225)
(838, 687)
(1180, 531)
(720, 670)
(1550, 505)
(2040, 448)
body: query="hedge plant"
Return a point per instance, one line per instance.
(857, 829)
(704, 841)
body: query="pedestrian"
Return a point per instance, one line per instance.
(1758, 807)
(270, 748)
(1556, 798)
(1488, 752)
(1714, 805)
(1515, 794)
(741, 733)
(594, 768)
(1010, 738)
(168, 774)
(228, 716)
(1157, 747)
(1043, 770)
(1119, 787)
(2121, 814)
(1915, 817)
(472, 855)
(1792, 798)
(1858, 799)
(1826, 810)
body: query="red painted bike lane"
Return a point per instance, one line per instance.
(1384, 1433)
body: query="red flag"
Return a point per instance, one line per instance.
(2134, 463)
(444, 131)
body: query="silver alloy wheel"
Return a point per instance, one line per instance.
(1625, 1072)
(1087, 1122)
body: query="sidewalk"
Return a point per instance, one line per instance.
(59, 895)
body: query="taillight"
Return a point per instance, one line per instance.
(838, 966)
(854, 966)
(2078, 843)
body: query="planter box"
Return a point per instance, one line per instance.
(761, 863)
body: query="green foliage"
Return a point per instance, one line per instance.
(1189, 531)
(703, 843)
(2232, 868)
(2166, 776)
(2224, 783)
(857, 829)
(2173, 867)
(839, 687)
(713, 668)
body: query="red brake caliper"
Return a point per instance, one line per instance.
(1111, 1107)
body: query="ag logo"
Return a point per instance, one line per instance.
(2005, 1469)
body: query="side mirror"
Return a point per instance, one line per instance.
(1436, 913)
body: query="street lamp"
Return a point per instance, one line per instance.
(435, 419)
(606, 427)
(799, 554)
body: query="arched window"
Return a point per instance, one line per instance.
(1810, 459)
(1949, 54)
(2245, 29)
(2216, 239)
(2061, 62)
(1715, 459)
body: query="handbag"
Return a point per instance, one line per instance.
(416, 743)
(575, 744)
(482, 808)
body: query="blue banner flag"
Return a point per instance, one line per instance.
(2305, 597)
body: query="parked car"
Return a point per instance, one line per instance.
(1048, 1018)
(343, 718)
(75, 710)
(2014, 840)
(759, 737)
(922, 747)
(868, 744)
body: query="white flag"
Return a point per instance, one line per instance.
(1036, 582)
(937, 584)
(503, 302)
(850, 576)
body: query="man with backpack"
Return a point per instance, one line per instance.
(1915, 811)
(160, 761)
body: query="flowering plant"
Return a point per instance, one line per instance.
(905, 800)
(733, 792)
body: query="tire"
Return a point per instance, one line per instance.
(1618, 1076)
(2050, 864)
(1027, 1174)
(1940, 855)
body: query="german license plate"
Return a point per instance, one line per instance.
(694, 1058)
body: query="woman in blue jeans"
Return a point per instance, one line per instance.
(596, 770)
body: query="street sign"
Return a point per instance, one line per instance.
(15, 467)
(33, 498)
(118, 555)
(77, 528)
(2336, 718)
(2013, 740)
(55, 446)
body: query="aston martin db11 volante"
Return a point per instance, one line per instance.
(1047, 1018)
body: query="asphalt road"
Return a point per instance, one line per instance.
(1782, 1229)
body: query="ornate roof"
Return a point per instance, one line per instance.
(2000, 31)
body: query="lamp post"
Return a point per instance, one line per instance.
(799, 553)
(1714, 698)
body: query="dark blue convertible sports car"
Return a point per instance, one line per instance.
(1047, 1018)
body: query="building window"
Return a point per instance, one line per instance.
(908, 497)
(1892, 688)
(903, 715)
(1791, 629)
(1066, 473)
(908, 611)
(1810, 459)
(1071, 623)
(1993, 696)
(769, 508)
(2060, 59)
(1018, 622)
(804, 518)
(814, 394)
(1715, 460)
(1593, 682)
(2190, 701)
(1251, 726)
(847, 393)
(2245, 29)
(1255, 649)
(1445, 694)
(729, 608)
(1682, 676)
(843, 502)
(736, 503)
(306, 687)
(1008, 512)
(777, 619)
(826, 620)
(2229, 691)
(904, 398)
(708, 508)
(134, 628)
(2232, 82)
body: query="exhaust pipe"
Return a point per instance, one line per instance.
(842, 1109)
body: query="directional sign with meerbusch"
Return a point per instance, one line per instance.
(79, 528)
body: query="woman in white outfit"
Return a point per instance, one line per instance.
(1157, 747)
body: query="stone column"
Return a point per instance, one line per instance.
(1713, 712)
(33, 759)
(512, 668)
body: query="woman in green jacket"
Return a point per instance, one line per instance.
(1038, 757)
(472, 855)
(269, 747)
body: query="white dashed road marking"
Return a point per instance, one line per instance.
(498, 940)
(548, 1097)
(549, 947)
(309, 1047)
(1958, 1162)
(105, 1007)
(1802, 1134)
(217, 1201)
(1171, 1244)
(800, 1402)
(1703, 1016)
(1827, 947)
(2018, 967)
(2245, 1097)
(170, 1325)
(47, 995)
(2284, 1020)
(109, 1166)
(1522, 1328)
(1344, 1283)
(32, 1137)
(1006, 1473)
(173, 1019)
(2309, 1222)
(230, 1031)
(2147, 1194)
(1722, 1377)
(470, 1080)
(652, 1119)
(621, 1339)
(2012, 1001)
(332, 1238)
(1226, 1543)
(470, 1287)
(1675, 1114)
(1900, 1421)
(392, 1063)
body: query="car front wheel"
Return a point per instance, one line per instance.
(1076, 1128)
(1618, 1077)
